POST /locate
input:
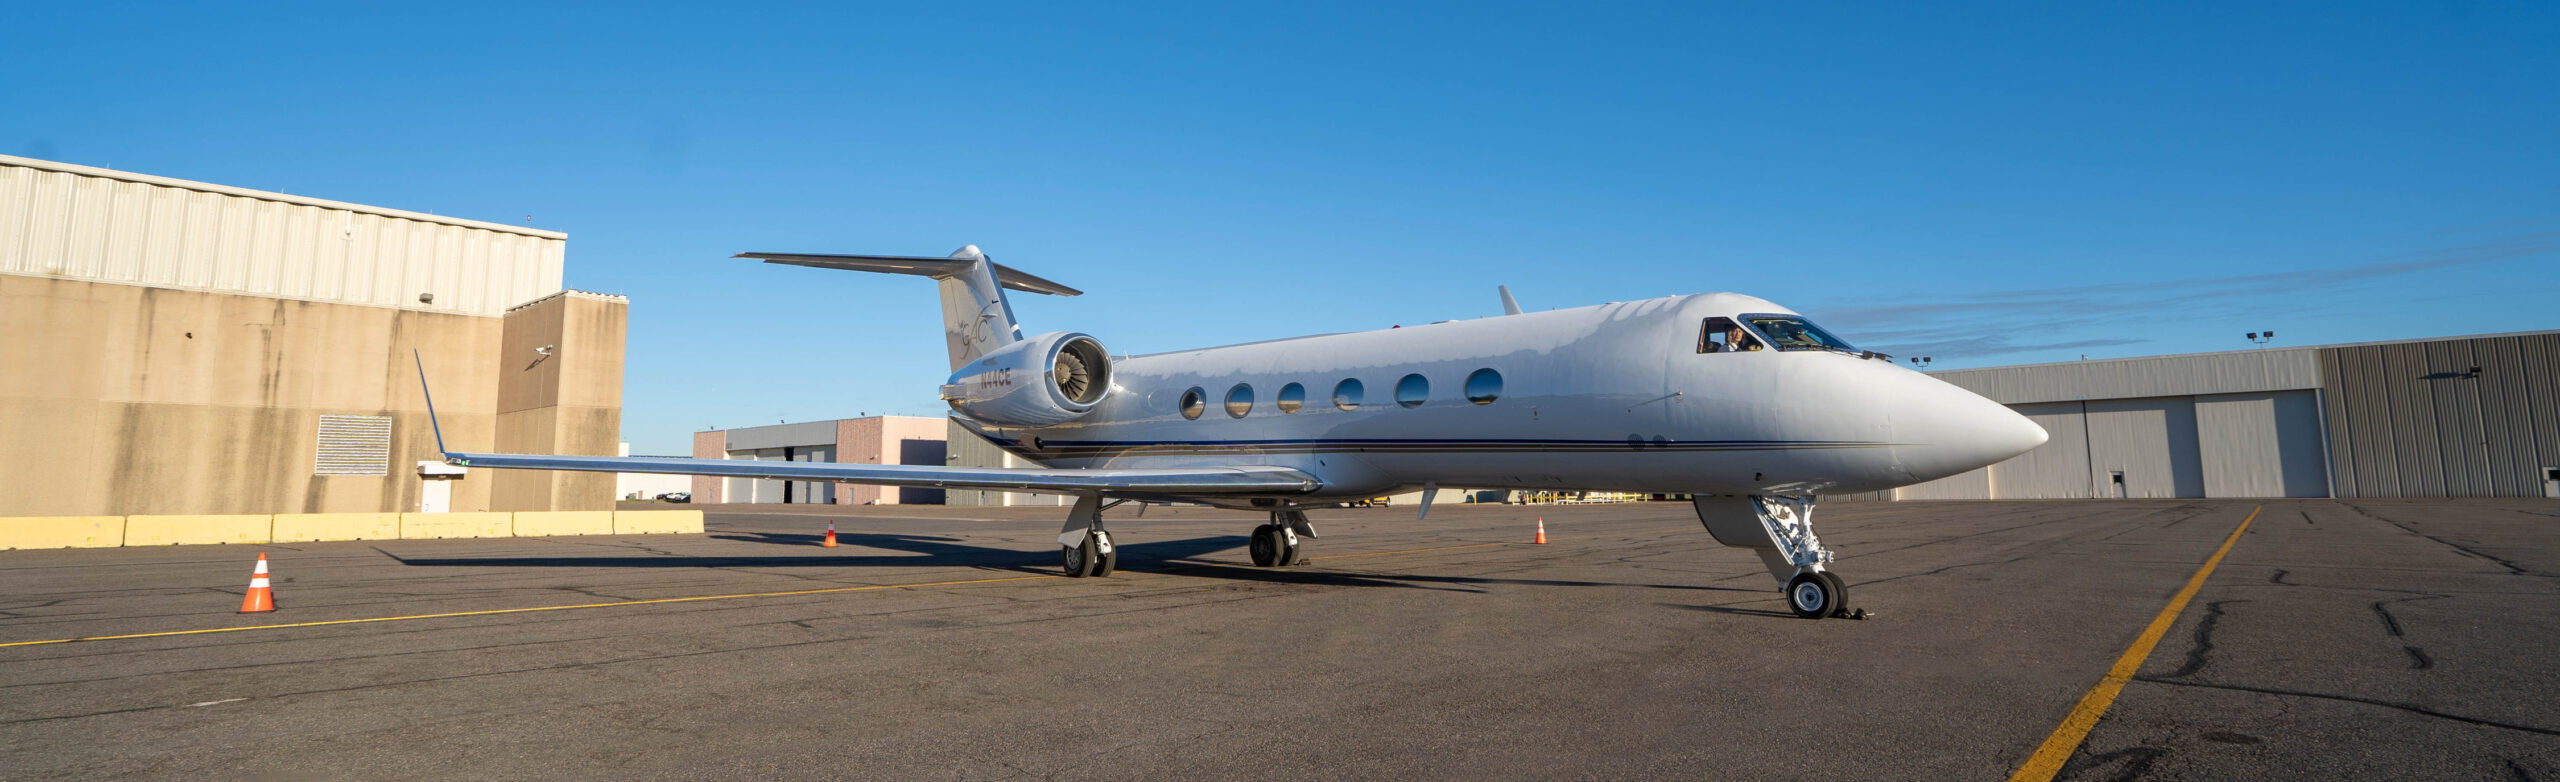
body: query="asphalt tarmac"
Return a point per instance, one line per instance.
(2338, 639)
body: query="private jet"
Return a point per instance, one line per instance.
(1744, 405)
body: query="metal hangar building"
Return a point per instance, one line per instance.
(2475, 416)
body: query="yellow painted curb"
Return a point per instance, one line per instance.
(418, 526)
(62, 532)
(657, 522)
(541, 523)
(297, 527)
(185, 530)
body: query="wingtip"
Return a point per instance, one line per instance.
(430, 396)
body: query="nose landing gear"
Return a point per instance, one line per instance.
(1780, 530)
(1817, 594)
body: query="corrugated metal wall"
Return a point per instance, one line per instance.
(2261, 445)
(2151, 441)
(76, 222)
(2412, 420)
(2278, 369)
(2058, 469)
(964, 449)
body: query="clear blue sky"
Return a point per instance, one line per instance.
(1988, 184)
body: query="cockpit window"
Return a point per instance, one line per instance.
(1721, 335)
(1789, 332)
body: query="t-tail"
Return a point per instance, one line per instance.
(976, 319)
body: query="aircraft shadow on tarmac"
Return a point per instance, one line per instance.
(1170, 556)
(1232, 572)
(1734, 610)
(921, 551)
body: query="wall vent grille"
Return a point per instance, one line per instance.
(354, 445)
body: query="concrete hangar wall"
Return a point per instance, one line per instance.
(2454, 417)
(175, 347)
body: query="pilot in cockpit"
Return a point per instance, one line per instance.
(1736, 339)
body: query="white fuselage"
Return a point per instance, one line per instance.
(1611, 397)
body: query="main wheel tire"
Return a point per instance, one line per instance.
(1292, 553)
(1812, 596)
(1839, 593)
(1078, 559)
(1109, 561)
(1266, 546)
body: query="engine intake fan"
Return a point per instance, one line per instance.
(1044, 380)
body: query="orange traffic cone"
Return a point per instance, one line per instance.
(830, 542)
(259, 599)
(1542, 531)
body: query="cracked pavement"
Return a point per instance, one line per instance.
(2372, 639)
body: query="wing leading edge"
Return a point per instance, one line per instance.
(1184, 480)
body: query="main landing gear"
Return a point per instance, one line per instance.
(1780, 530)
(1085, 546)
(1277, 542)
(1085, 549)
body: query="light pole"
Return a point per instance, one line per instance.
(2261, 337)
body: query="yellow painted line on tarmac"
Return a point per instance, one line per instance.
(496, 611)
(2057, 748)
(654, 601)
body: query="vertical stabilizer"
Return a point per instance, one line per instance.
(976, 318)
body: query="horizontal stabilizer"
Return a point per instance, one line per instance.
(937, 268)
(1182, 480)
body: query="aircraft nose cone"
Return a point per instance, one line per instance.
(2008, 434)
(1944, 430)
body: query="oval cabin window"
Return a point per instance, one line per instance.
(1292, 397)
(1412, 390)
(1239, 400)
(1484, 386)
(1346, 395)
(1193, 401)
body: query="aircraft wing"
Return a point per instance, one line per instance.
(1176, 481)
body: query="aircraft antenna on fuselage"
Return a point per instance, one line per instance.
(1510, 306)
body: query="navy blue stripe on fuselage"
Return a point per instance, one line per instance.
(1056, 448)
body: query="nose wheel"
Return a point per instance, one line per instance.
(1780, 530)
(1818, 594)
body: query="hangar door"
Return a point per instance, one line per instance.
(2262, 445)
(770, 490)
(2140, 448)
(2058, 469)
(753, 489)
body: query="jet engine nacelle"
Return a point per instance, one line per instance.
(1044, 380)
